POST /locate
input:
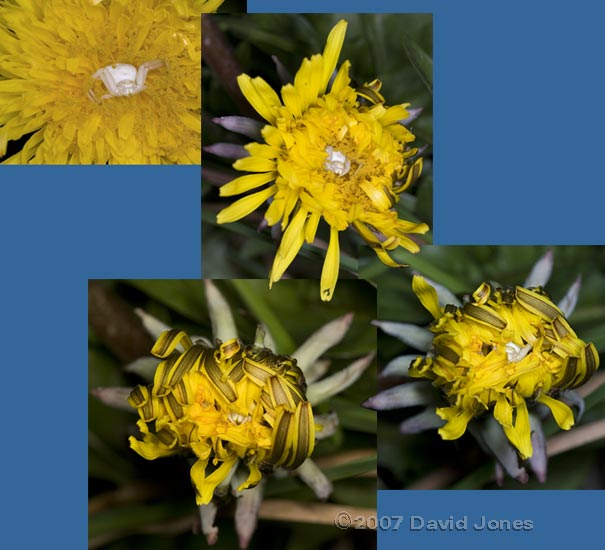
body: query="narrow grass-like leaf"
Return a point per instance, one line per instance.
(420, 60)
(264, 313)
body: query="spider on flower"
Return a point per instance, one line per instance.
(122, 79)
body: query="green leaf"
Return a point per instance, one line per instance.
(295, 488)
(354, 417)
(476, 479)
(131, 519)
(351, 469)
(254, 300)
(361, 491)
(420, 60)
(184, 296)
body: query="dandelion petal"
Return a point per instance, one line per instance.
(260, 95)
(241, 208)
(332, 52)
(572, 398)
(561, 412)
(329, 273)
(427, 295)
(444, 295)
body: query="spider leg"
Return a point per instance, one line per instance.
(92, 96)
(144, 69)
(98, 73)
(155, 64)
(110, 83)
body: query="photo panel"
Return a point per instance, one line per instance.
(317, 137)
(220, 413)
(488, 361)
(101, 82)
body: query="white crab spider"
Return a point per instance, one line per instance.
(122, 79)
(337, 162)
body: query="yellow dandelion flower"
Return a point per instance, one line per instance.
(229, 404)
(96, 82)
(341, 155)
(498, 350)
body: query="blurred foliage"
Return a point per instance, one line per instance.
(234, 6)
(395, 48)
(135, 503)
(407, 459)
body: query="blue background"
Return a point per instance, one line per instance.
(561, 519)
(518, 157)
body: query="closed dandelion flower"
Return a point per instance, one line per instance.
(506, 352)
(228, 404)
(331, 152)
(101, 82)
(501, 348)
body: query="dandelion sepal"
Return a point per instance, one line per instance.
(339, 381)
(327, 336)
(223, 323)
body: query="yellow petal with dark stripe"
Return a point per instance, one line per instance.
(216, 376)
(484, 315)
(168, 341)
(536, 303)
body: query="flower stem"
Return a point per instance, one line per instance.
(218, 54)
(115, 323)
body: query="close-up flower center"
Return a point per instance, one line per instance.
(343, 158)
